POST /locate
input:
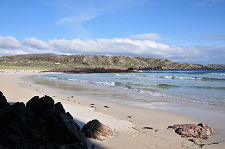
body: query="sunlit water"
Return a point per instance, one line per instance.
(198, 86)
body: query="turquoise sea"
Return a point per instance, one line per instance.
(195, 86)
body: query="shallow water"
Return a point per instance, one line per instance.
(200, 86)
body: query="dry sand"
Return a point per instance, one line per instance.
(127, 122)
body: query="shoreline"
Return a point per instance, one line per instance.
(210, 114)
(129, 129)
(129, 70)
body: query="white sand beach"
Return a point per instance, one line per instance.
(127, 122)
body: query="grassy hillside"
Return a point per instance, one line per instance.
(52, 61)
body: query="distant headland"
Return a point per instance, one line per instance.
(95, 63)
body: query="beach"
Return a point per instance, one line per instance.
(126, 121)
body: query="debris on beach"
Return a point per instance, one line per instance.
(96, 130)
(147, 127)
(92, 106)
(201, 130)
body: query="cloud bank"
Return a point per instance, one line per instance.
(10, 46)
(115, 46)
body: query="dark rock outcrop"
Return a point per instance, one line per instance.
(201, 131)
(40, 124)
(96, 130)
(3, 104)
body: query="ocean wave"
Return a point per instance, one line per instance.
(154, 88)
(110, 83)
(175, 77)
(50, 78)
(194, 78)
(164, 86)
(117, 83)
(124, 78)
(212, 79)
(182, 78)
(128, 86)
(169, 77)
(197, 73)
(213, 103)
(139, 85)
(83, 81)
(149, 91)
(220, 74)
(209, 87)
(106, 83)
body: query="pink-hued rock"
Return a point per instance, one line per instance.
(200, 131)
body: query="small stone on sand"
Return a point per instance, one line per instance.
(147, 127)
(195, 141)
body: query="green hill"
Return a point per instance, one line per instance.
(53, 61)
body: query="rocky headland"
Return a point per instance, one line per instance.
(95, 63)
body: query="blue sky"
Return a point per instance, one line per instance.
(181, 30)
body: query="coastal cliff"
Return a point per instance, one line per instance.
(96, 63)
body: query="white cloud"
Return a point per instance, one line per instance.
(149, 36)
(4, 52)
(10, 46)
(147, 48)
(110, 46)
(9, 42)
(116, 46)
(36, 43)
(75, 19)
